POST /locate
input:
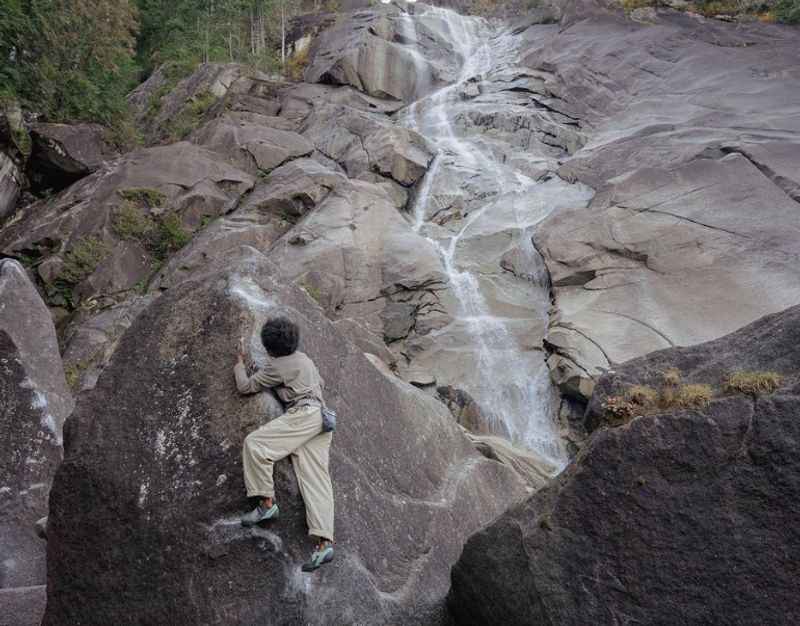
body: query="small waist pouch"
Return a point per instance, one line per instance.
(328, 420)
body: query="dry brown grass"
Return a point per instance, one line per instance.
(640, 400)
(642, 395)
(297, 63)
(753, 383)
(694, 396)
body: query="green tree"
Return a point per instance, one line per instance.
(70, 59)
(788, 11)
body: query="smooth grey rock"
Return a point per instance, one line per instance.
(156, 110)
(11, 181)
(64, 153)
(690, 208)
(357, 236)
(22, 606)
(36, 401)
(92, 337)
(365, 142)
(374, 52)
(251, 143)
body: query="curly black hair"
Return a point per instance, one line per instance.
(280, 336)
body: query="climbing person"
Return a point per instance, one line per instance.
(299, 432)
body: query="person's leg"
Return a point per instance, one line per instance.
(271, 443)
(311, 466)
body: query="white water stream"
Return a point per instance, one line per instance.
(512, 384)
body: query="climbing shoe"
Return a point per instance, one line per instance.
(259, 514)
(320, 556)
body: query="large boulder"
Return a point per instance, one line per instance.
(35, 403)
(378, 270)
(11, 181)
(683, 516)
(14, 150)
(252, 141)
(144, 512)
(376, 51)
(365, 142)
(64, 153)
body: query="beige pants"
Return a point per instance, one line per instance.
(297, 432)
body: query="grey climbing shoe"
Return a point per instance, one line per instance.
(259, 514)
(319, 557)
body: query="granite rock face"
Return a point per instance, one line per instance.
(684, 516)
(162, 472)
(35, 403)
(65, 153)
(693, 231)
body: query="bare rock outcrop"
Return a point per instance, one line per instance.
(695, 226)
(155, 449)
(685, 516)
(35, 403)
(64, 153)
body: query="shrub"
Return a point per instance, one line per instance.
(753, 383)
(144, 197)
(129, 222)
(191, 116)
(723, 7)
(642, 400)
(160, 236)
(632, 5)
(618, 410)
(642, 396)
(694, 396)
(296, 64)
(83, 259)
(170, 236)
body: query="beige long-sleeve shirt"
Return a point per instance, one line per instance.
(295, 378)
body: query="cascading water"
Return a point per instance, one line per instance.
(509, 382)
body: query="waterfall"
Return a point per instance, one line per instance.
(510, 383)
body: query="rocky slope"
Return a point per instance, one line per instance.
(475, 205)
(684, 516)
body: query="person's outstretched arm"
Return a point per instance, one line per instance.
(264, 378)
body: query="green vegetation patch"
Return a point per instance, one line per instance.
(129, 222)
(190, 117)
(632, 5)
(83, 259)
(144, 197)
(788, 11)
(753, 383)
(161, 235)
(694, 396)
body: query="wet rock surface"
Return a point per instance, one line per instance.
(685, 516)
(167, 493)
